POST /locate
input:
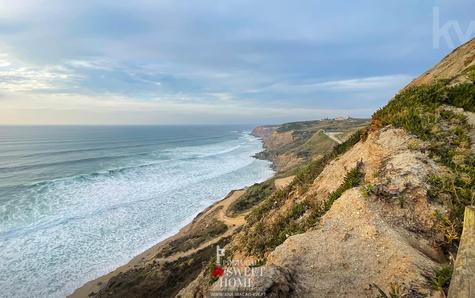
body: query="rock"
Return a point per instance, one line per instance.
(463, 278)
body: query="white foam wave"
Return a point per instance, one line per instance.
(57, 235)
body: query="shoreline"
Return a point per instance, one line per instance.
(222, 205)
(142, 258)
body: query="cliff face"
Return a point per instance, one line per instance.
(378, 214)
(292, 144)
(365, 238)
(381, 214)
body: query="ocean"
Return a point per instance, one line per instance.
(78, 201)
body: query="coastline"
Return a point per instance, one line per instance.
(142, 258)
(174, 262)
(218, 211)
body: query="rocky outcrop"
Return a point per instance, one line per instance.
(463, 280)
(363, 220)
(382, 239)
(388, 237)
(272, 141)
(292, 144)
(264, 132)
(272, 138)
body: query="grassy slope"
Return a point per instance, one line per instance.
(309, 142)
(309, 139)
(422, 111)
(261, 236)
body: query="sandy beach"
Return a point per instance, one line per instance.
(217, 211)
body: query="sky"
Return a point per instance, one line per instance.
(216, 62)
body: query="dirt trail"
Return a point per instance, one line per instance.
(333, 136)
(149, 255)
(232, 222)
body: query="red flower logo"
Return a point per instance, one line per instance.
(218, 271)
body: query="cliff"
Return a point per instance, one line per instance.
(290, 145)
(379, 214)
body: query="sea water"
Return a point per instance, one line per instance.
(78, 201)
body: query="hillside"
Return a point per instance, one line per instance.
(169, 266)
(292, 144)
(379, 215)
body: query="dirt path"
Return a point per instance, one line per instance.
(232, 222)
(333, 136)
(149, 255)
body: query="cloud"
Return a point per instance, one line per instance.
(346, 85)
(369, 83)
(111, 109)
(246, 60)
(19, 77)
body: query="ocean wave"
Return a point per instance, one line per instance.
(72, 229)
(160, 156)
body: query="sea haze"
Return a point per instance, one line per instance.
(78, 201)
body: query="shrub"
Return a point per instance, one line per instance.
(367, 190)
(297, 210)
(419, 110)
(253, 195)
(352, 179)
(265, 236)
(470, 72)
(439, 279)
(394, 292)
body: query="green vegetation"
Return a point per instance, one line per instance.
(253, 195)
(328, 124)
(309, 139)
(367, 190)
(273, 201)
(303, 179)
(421, 111)
(352, 179)
(200, 233)
(297, 219)
(318, 143)
(394, 292)
(162, 279)
(470, 72)
(448, 227)
(309, 173)
(439, 279)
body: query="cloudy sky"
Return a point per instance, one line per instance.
(182, 62)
